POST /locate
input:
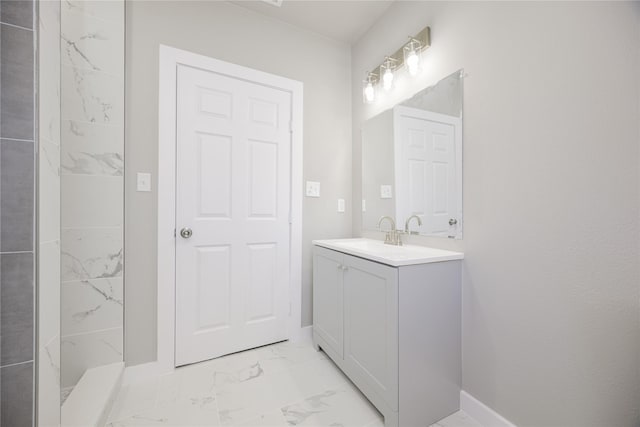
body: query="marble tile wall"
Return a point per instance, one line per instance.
(17, 207)
(91, 173)
(48, 402)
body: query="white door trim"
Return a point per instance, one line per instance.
(170, 58)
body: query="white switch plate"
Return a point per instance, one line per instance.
(313, 189)
(385, 192)
(364, 205)
(340, 205)
(144, 182)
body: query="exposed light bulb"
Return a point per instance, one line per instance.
(387, 79)
(413, 63)
(369, 93)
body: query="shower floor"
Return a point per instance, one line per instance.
(282, 385)
(64, 393)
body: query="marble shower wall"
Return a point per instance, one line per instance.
(48, 409)
(92, 169)
(17, 209)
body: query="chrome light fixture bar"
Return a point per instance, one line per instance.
(408, 55)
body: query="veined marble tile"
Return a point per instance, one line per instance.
(458, 419)
(92, 201)
(185, 412)
(92, 43)
(340, 406)
(92, 96)
(49, 384)
(377, 423)
(92, 304)
(49, 193)
(310, 392)
(49, 292)
(270, 419)
(92, 149)
(241, 402)
(248, 365)
(108, 10)
(84, 351)
(135, 398)
(49, 75)
(65, 393)
(91, 253)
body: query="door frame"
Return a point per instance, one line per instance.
(170, 58)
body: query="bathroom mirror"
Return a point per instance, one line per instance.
(412, 162)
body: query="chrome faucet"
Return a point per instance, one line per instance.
(393, 236)
(406, 224)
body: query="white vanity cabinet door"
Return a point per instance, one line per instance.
(371, 329)
(328, 297)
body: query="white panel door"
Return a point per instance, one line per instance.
(426, 171)
(233, 193)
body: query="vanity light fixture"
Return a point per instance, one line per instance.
(386, 71)
(412, 56)
(408, 55)
(368, 88)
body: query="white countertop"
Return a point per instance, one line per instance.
(376, 250)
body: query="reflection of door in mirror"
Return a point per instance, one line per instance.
(426, 148)
(412, 162)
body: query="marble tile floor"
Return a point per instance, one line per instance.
(283, 384)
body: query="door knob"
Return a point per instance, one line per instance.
(453, 221)
(186, 233)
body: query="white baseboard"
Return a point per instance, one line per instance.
(477, 410)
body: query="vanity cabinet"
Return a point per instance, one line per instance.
(395, 331)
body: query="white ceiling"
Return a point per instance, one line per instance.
(344, 21)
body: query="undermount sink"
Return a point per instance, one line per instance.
(396, 256)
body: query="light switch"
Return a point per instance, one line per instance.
(385, 192)
(364, 205)
(144, 181)
(313, 189)
(340, 205)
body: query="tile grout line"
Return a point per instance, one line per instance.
(16, 252)
(5, 138)
(17, 26)
(16, 364)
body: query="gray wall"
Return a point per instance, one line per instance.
(17, 192)
(378, 167)
(551, 160)
(231, 33)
